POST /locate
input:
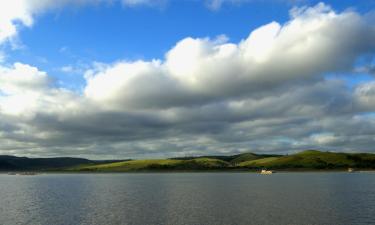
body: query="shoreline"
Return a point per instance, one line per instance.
(26, 173)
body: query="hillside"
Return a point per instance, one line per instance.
(310, 160)
(158, 164)
(249, 157)
(313, 159)
(307, 160)
(12, 163)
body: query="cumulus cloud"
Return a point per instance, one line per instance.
(314, 42)
(16, 13)
(21, 78)
(11, 13)
(267, 93)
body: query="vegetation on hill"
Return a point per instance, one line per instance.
(248, 157)
(313, 159)
(157, 164)
(13, 163)
(308, 160)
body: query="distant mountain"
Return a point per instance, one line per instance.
(306, 160)
(12, 163)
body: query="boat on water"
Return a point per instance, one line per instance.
(264, 171)
(24, 173)
(28, 173)
(351, 170)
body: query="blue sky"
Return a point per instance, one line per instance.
(166, 78)
(77, 36)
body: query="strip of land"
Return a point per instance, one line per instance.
(303, 161)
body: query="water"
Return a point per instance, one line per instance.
(188, 198)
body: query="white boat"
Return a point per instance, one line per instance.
(266, 171)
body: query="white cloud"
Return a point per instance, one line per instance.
(16, 13)
(11, 13)
(266, 93)
(134, 3)
(79, 68)
(196, 71)
(324, 138)
(217, 4)
(22, 78)
(2, 57)
(365, 95)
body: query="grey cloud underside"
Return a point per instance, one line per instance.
(268, 93)
(276, 123)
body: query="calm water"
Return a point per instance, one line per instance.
(188, 198)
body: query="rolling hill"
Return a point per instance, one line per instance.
(305, 160)
(157, 165)
(13, 163)
(313, 159)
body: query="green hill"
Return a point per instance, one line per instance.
(233, 159)
(248, 157)
(308, 160)
(313, 159)
(13, 163)
(157, 165)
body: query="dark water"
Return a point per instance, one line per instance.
(188, 198)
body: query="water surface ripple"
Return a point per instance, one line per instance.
(188, 198)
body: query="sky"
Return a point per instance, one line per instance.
(107, 79)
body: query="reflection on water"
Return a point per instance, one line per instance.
(188, 198)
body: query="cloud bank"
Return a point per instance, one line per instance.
(268, 93)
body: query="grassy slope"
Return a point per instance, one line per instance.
(314, 160)
(157, 164)
(304, 160)
(248, 157)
